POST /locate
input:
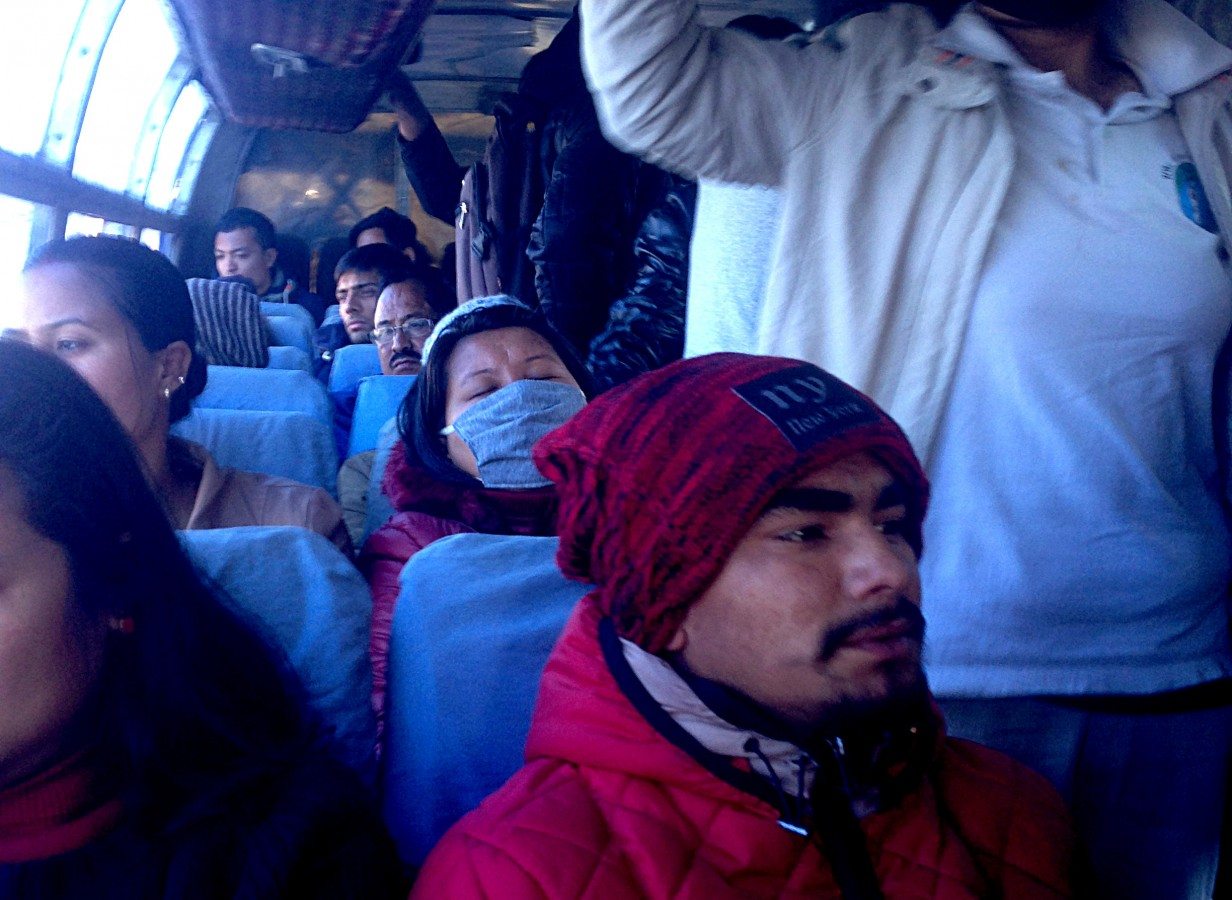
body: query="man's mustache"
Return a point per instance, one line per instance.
(413, 355)
(903, 609)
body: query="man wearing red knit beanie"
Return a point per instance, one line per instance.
(738, 707)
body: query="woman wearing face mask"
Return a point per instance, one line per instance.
(151, 743)
(119, 314)
(495, 378)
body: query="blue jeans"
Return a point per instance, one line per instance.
(1147, 789)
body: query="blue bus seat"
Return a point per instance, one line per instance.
(291, 445)
(376, 403)
(379, 506)
(272, 390)
(290, 332)
(333, 313)
(477, 616)
(289, 358)
(351, 364)
(275, 309)
(315, 605)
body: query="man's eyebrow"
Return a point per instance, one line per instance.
(828, 501)
(811, 500)
(893, 494)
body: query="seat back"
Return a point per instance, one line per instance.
(291, 445)
(333, 313)
(275, 309)
(289, 331)
(278, 390)
(311, 602)
(289, 358)
(351, 364)
(477, 616)
(379, 506)
(376, 403)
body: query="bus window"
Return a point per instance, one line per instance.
(135, 64)
(16, 225)
(78, 223)
(33, 44)
(175, 165)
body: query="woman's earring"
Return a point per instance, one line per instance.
(166, 393)
(181, 379)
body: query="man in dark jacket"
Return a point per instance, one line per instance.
(645, 327)
(245, 244)
(738, 707)
(581, 242)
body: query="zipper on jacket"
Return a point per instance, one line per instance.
(838, 832)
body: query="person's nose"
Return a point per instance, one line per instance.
(876, 566)
(404, 341)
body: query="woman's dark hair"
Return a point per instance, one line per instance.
(146, 289)
(422, 413)
(192, 702)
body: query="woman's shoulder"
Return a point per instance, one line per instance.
(280, 497)
(408, 532)
(229, 498)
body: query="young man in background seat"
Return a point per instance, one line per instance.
(245, 244)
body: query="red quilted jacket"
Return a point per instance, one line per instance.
(606, 807)
(429, 509)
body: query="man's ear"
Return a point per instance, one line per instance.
(174, 360)
(678, 641)
(270, 255)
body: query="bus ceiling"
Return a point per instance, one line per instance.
(321, 64)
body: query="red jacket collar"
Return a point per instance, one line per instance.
(412, 488)
(583, 716)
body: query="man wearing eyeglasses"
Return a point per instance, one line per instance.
(359, 276)
(404, 319)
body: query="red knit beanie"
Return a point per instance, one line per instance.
(661, 478)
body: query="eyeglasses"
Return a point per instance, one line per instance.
(411, 328)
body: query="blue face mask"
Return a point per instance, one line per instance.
(502, 428)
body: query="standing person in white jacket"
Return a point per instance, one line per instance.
(1011, 231)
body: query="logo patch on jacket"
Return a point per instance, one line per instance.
(806, 405)
(1192, 197)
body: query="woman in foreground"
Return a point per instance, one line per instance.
(151, 744)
